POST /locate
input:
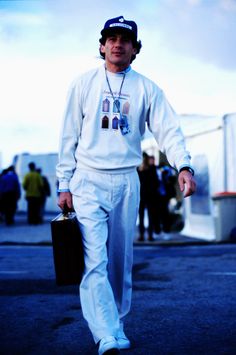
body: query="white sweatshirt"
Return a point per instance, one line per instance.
(91, 137)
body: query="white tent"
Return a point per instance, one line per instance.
(211, 142)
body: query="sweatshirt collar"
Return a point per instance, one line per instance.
(120, 72)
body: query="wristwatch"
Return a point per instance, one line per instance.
(188, 169)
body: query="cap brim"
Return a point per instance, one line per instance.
(108, 31)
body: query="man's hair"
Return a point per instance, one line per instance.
(11, 168)
(31, 166)
(136, 44)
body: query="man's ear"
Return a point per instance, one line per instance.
(102, 48)
(134, 51)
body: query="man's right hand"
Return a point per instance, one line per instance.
(65, 200)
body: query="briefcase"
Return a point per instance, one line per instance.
(67, 249)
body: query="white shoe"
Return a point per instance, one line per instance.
(123, 341)
(110, 344)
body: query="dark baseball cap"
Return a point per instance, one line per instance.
(119, 23)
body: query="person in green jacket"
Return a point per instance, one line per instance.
(33, 185)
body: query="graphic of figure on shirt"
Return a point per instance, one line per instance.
(105, 122)
(106, 105)
(115, 123)
(125, 109)
(116, 106)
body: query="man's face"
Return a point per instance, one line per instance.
(118, 50)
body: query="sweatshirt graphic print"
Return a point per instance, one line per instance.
(115, 113)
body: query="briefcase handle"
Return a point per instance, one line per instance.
(67, 211)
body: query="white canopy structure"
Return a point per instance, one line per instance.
(211, 141)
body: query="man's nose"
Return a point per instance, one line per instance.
(118, 42)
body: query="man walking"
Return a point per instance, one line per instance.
(100, 149)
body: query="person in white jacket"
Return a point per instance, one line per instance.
(100, 150)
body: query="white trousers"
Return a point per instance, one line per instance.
(106, 206)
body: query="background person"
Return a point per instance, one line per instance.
(100, 150)
(33, 185)
(148, 196)
(10, 193)
(166, 191)
(45, 193)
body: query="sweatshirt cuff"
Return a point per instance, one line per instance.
(63, 186)
(63, 190)
(187, 165)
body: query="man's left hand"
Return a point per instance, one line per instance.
(187, 183)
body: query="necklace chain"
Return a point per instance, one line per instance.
(111, 92)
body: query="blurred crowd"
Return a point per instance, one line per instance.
(160, 198)
(36, 187)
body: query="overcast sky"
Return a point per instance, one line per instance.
(189, 50)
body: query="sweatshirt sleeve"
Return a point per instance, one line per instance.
(163, 122)
(70, 132)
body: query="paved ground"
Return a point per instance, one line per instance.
(21, 233)
(184, 302)
(184, 298)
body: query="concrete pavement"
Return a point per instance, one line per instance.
(184, 298)
(184, 303)
(23, 234)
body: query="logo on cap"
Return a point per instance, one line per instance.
(121, 19)
(121, 25)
